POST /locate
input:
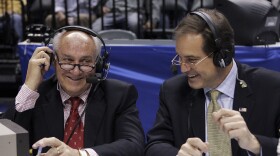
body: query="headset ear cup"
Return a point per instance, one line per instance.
(227, 56)
(216, 59)
(222, 58)
(99, 67)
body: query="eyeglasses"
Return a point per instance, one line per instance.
(191, 62)
(83, 68)
(69, 66)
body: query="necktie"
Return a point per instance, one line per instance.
(219, 142)
(77, 139)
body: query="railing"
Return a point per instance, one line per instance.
(162, 15)
(169, 12)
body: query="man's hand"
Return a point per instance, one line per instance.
(193, 147)
(38, 64)
(58, 147)
(232, 123)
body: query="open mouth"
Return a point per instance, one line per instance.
(191, 76)
(75, 79)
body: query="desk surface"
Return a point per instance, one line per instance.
(146, 64)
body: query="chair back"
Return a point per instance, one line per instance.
(117, 34)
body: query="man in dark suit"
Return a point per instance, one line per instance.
(249, 97)
(107, 120)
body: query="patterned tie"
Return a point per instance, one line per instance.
(219, 142)
(77, 139)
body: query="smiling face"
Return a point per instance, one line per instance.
(204, 74)
(75, 48)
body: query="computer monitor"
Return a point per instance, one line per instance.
(255, 22)
(14, 140)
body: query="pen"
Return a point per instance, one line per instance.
(39, 151)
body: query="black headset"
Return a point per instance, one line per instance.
(102, 64)
(223, 56)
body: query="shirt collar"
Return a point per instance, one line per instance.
(65, 96)
(227, 87)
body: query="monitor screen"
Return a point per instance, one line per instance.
(255, 22)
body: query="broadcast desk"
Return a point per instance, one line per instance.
(146, 64)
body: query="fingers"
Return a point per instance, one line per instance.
(45, 49)
(228, 120)
(235, 132)
(198, 143)
(194, 147)
(41, 57)
(233, 124)
(51, 142)
(224, 113)
(57, 147)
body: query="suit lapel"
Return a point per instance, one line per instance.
(197, 115)
(94, 116)
(184, 106)
(243, 103)
(242, 96)
(53, 113)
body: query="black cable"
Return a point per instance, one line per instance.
(80, 118)
(192, 101)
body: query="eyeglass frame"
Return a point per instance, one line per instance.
(179, 63)
(74, 65)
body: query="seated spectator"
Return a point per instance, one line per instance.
(153, 13)
(72, 8)
(120, 16)
(164, 16)
(11, 12)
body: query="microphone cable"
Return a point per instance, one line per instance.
(192, 99)
(83, 113)
(174, 69)
(242, 83)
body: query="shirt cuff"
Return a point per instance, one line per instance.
(91, 152)
(252, 154)
(26, 99)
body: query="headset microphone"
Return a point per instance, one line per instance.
(174, 69)
(242, 83)
(92, 79)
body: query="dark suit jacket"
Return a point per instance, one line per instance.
(182, 112)
(112, 125)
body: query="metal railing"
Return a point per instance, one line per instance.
(170, 13)
(163, 27)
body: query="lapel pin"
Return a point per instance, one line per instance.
(243, 84)
(242, 109)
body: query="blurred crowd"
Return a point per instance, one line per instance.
(151, 19)
(145, 18)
